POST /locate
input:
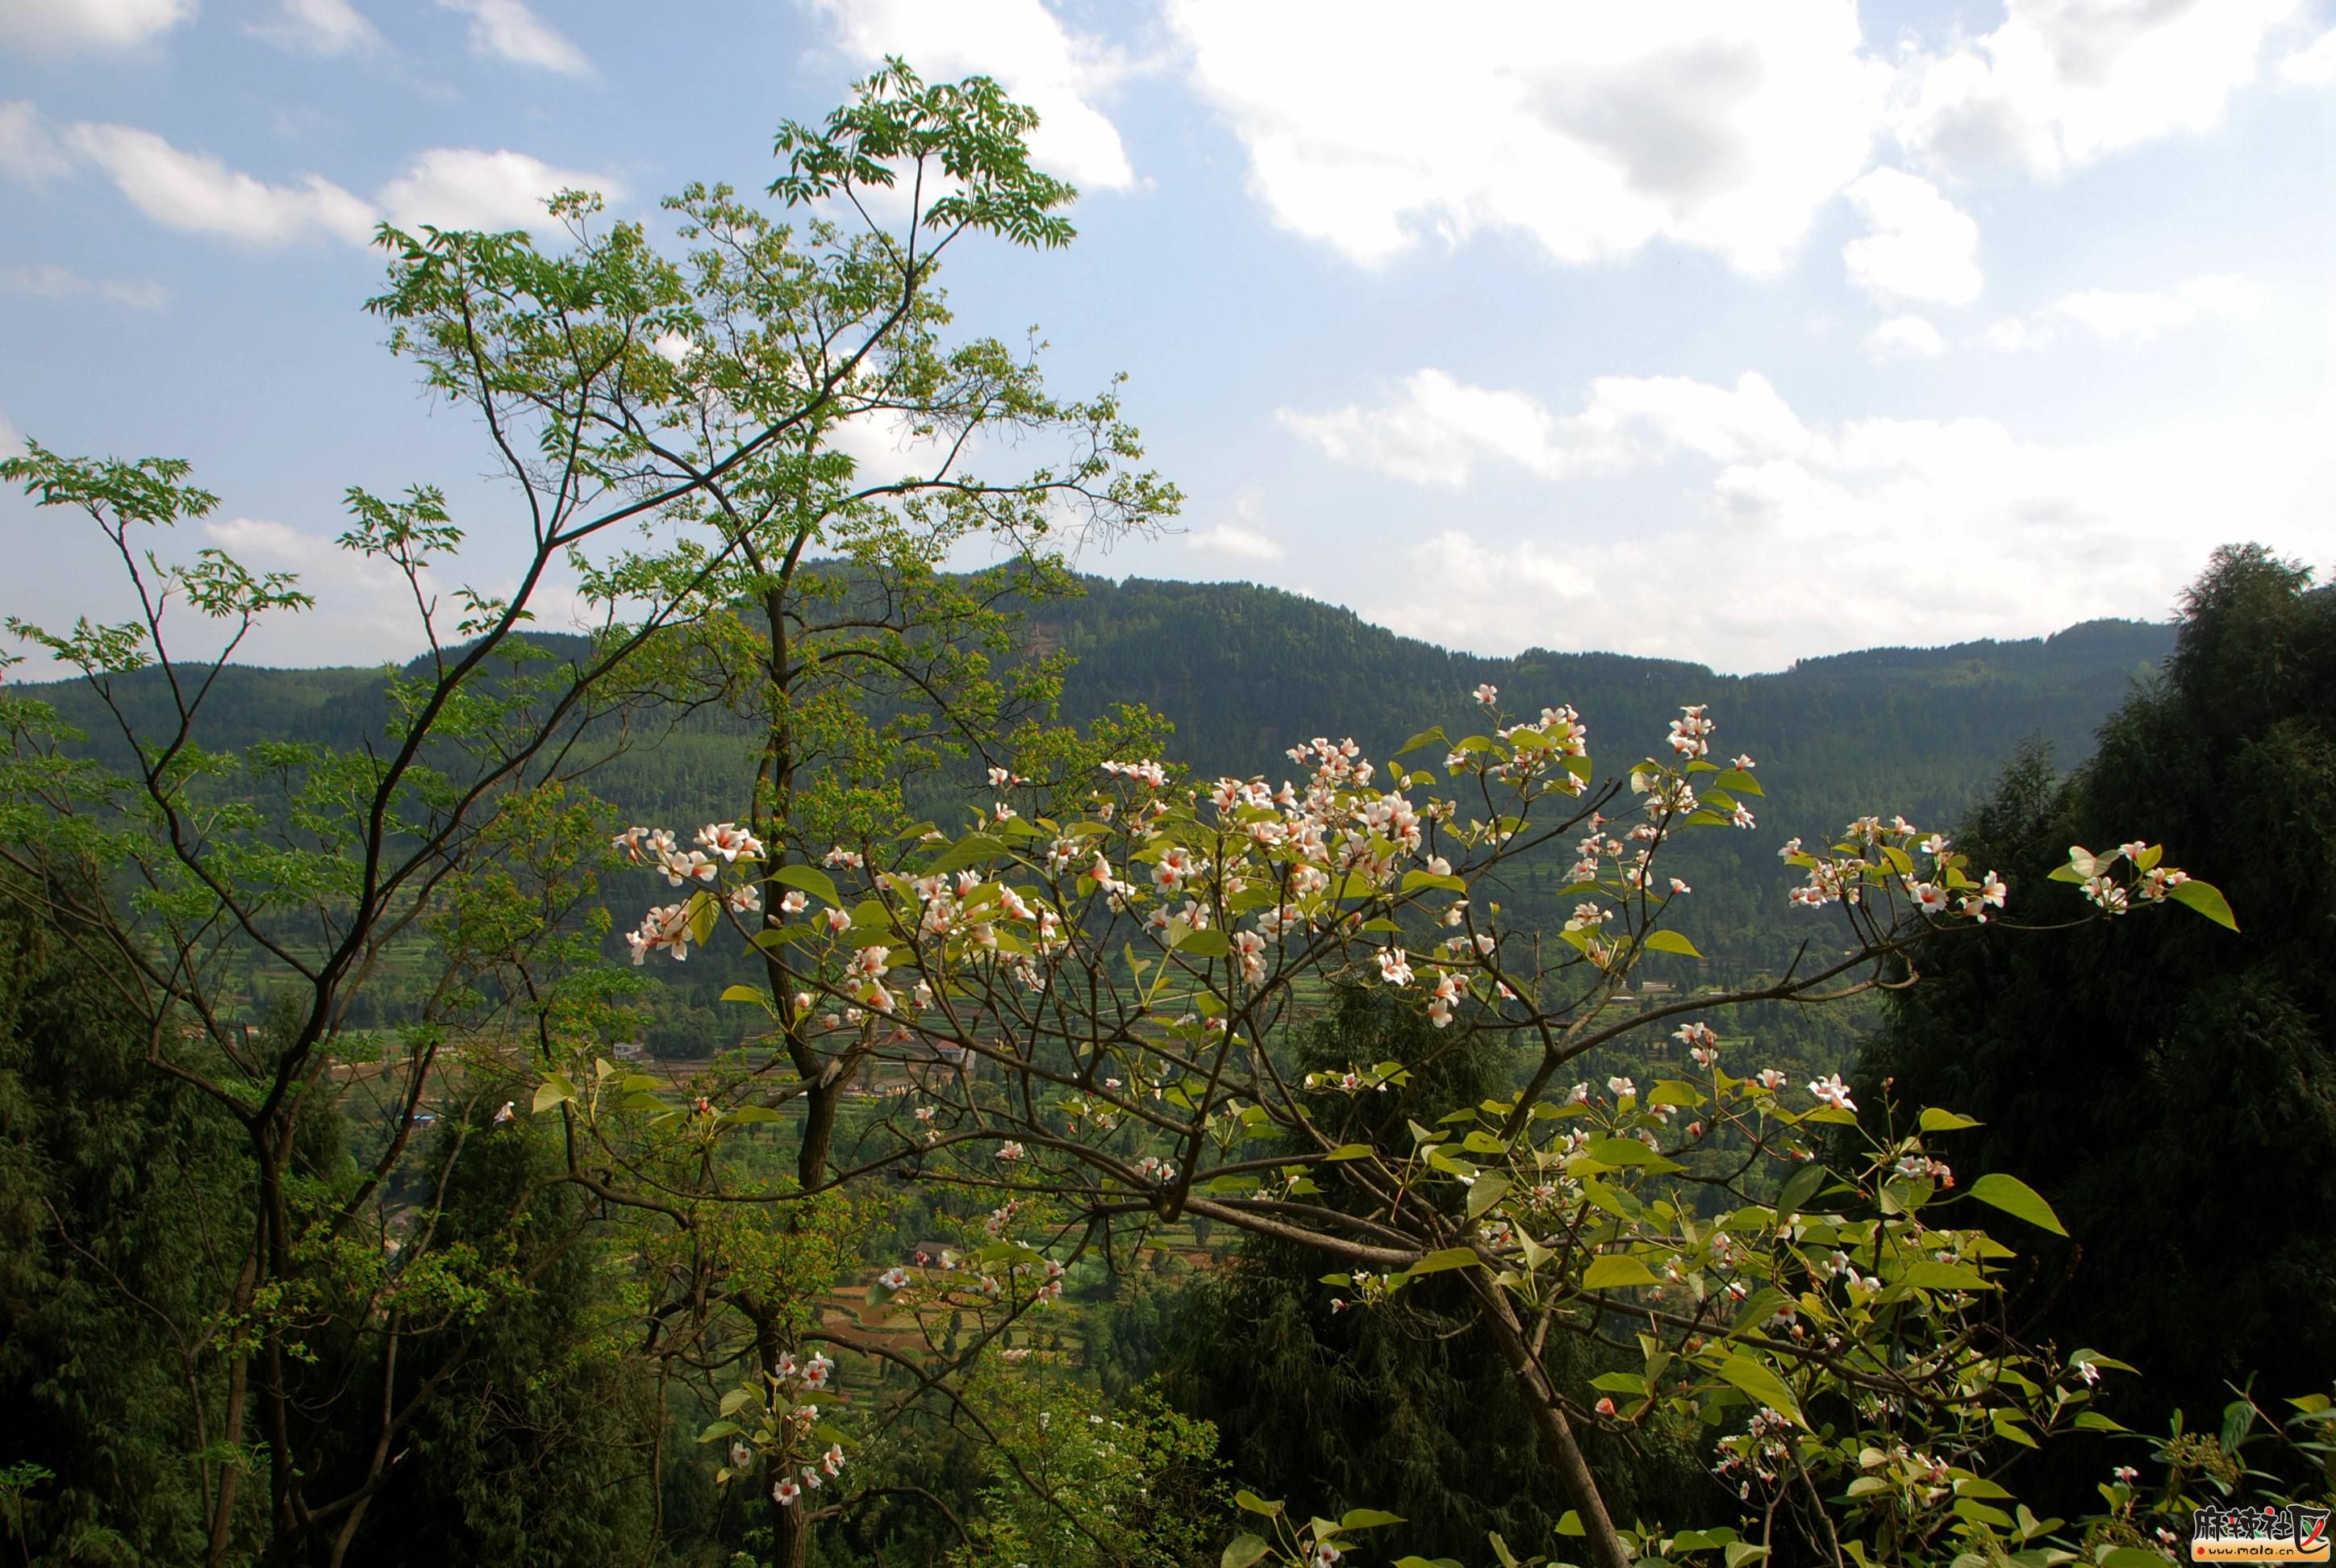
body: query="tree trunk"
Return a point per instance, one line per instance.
(1559, 1447)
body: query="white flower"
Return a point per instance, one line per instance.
(1395, 966)
(786, 1492)
(1622, 1088)
(1830, 1090)
(1487, 695)
(894, 1278)
(1010, 1149)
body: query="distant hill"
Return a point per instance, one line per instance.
(1244, 672)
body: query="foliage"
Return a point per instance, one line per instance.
(2149, 1078)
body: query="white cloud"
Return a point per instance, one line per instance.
(1903, 337)
(195, 191)
(27, 151)
(467, 188)
(1439, 428)
(321, 27)
(2128, 316)
(50, 281)
(1039, 62)
(1591, 130)
(2063, 83)
(2313, 65)
(1714, 527)
(507, 30)
(1232, 538)
(1921, 247)
(450, 187)
(69, 26)
(1240, 535)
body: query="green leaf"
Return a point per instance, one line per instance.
(1570, 1524)
(2018, 1199)
(1368, 1519)
(1414, 881)
(1799, 1188)
(810, 879)
(1486, 1192)
(743, 994)
(1501, 1553)
(1668, 942)
(1256, 1504)
(1349, 1152)
(1446, 1259)
(1425, 737)
(1929, 1274)
(1209, 943)
(1614, 1270)
(1759, 1383)
(554, 1090)
(970, 850)
(1245, 1550)
(1936, 1120)
(1629, 1383)
(1740, 1552)
(2207, 899)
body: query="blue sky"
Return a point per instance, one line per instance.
(1735, 332)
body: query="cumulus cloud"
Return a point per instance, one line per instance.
(509, 30)
(2128, 316)
(27, 149)
(1903, 337)
(1436, 429)
(320, 27)
(1240, 536)
(2314, 65)
(1232, 538)
(1061, 73)
(1714, 526)
(466, 187)
(1590, 130)
(52, 281)
(65, 26)
(2061, 84)
(195, 191)
(1922, 246)
(448, 187)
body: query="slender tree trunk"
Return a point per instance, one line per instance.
(790, 1522)
(1559, 1447)
(238, 1387)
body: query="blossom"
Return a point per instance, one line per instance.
(839, 856)
(794, 901)
(837, 919)
(730, 841)
(744, 899)
(1622, 1088)
(1690, 730)
(1606, 1406)
(2126, 1474)
(1395, 966)
(1745, 764)
(1010, 1149)
(894, 1278)
(786, 1492)
(1487, 695)
(1830, 1090)
(740, 1456)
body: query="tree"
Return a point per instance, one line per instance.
(1118, 1087)
(2150, 1078)
(698, 404)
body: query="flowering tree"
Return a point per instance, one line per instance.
(705, 410)
(1121, 975)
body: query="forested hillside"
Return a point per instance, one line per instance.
(1242, 673)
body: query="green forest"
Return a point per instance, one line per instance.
(846, 1059)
